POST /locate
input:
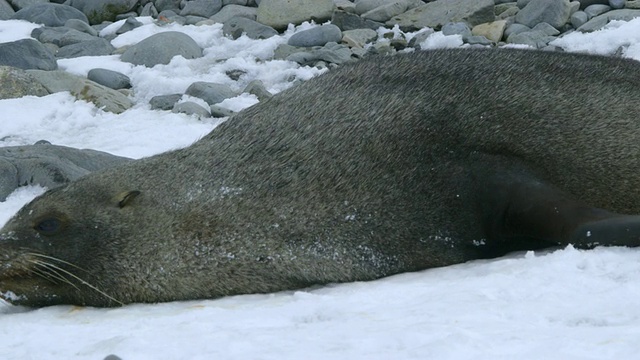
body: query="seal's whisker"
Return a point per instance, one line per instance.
(52, 271)
(56, 260)
(50, 266)
(44, 274)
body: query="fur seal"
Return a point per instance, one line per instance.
(388, 165)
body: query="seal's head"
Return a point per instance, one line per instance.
(60, 249)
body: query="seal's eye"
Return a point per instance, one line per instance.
(49, 226)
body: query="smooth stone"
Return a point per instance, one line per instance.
(218, 111)
(493, 31)
(278, 14)
(585, 3)
(536, 39)
(458, 28)
(362, 6)
(202, 8)
(238, 26)
(420, 37)
(390, 9)
(95, 47)
(596, 9)
(600, 21)
(230, 11)
(331, 53)
(49, 165)
(17, 83)
(546, 29)
(6, 11)
(149, 10)
(436, 14)
(359, 37)
(515, 29)
(60, 36)
(125, 16)
(83, 89)
(98, 11)
(27, 54)
(617, 4)
(345, 5)
(579, 18)
(477, 40)
(21, 4)
(235, 2)
(256, 87)
(164, 102)
(49, 14)
(190, 108)
(109, 78)
(553, 12)
(81, 26)
(317, 36)
(499, 9)
(212, 93)
(129, 24)
(348, 21)
(635, 4)
(161, 48)
(162, 5)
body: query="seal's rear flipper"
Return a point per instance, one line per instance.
(522, 212)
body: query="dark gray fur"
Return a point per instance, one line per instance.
(388, 165)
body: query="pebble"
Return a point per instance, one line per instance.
(191, 108)
(161, 48)
(256, 87)
(212, 93)
(348, 21)
(239, 26)
(164, 102)
(317, 36)
(219, 112)
(109, 78)
(596, 9)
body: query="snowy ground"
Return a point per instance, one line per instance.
(564, 304)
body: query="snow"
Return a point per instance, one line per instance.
(560, 304)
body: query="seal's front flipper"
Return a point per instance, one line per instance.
(521, 212)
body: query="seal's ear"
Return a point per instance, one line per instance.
(126, 197)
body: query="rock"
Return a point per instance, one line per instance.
(6, 11)
(212, 93)
(129, 24)
(387, 11)
(458, 28)
(161, 48)
(546, 29)
(234, 2)
(362, 6)
(218, 111)
(522, 3)
(256, 87)
(109, 78)
(149, 10)
(49, 165)
(278, 14)
(345, 5)
(164, 102)
(437, 13)
(578, 19)
(162, 5)
(515, 29)
(499, 9)
(331, 53)
(98, 11)
(83, 89)
(27, 54)
(21, 4)
(230, 11)
(492, 31)
(203, 8)
(60, 36)
(237, 26)
(418, 38)
(317, 36)
(596, 9)
(478, 40)
(553, 12)
(508, 14)
(81, 26)
(347, 21)
(634, 4)
(600, 21)
(585, 3)
(49, 14)
(95, 47)
(191, 108)
(617, 4)
(359, 37)
(235, 74)
(17, 83)
(536, 39)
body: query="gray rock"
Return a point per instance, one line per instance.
(202, 8)
(278, 14)
(164, 102)
(617, 4)
(515, 29)
(212, 93)
(493, 31)
(596, 9)
(256, 87)
(83, 89)
(579, 18)
(161, 48)
(49, 165)
(230, 11)
(191, 108)
(109, 78)
(345, 5)
(49, 14)
(234, 2)
(218, 111)
(60, 36)
(95, 47)
(237, 26)
(458, 28)
(162, 5)
(585, 3)
(477, 40)
(129, 24)
(420, 37)
(359, 37)
(112, 357)
(437, 13)
(80, 26)
(546, 29)
(317, 36)
(536, 39)
(362, 6)
(17, 83)
(331, 53)
(553, 12)
(600, 21)
(21, 4)
(387, 11)
(125, 16)
(27, 54)
(103, 10)
(6, 11)
(347, 21)
(149, 10)
(193, 20)
(508, 14)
